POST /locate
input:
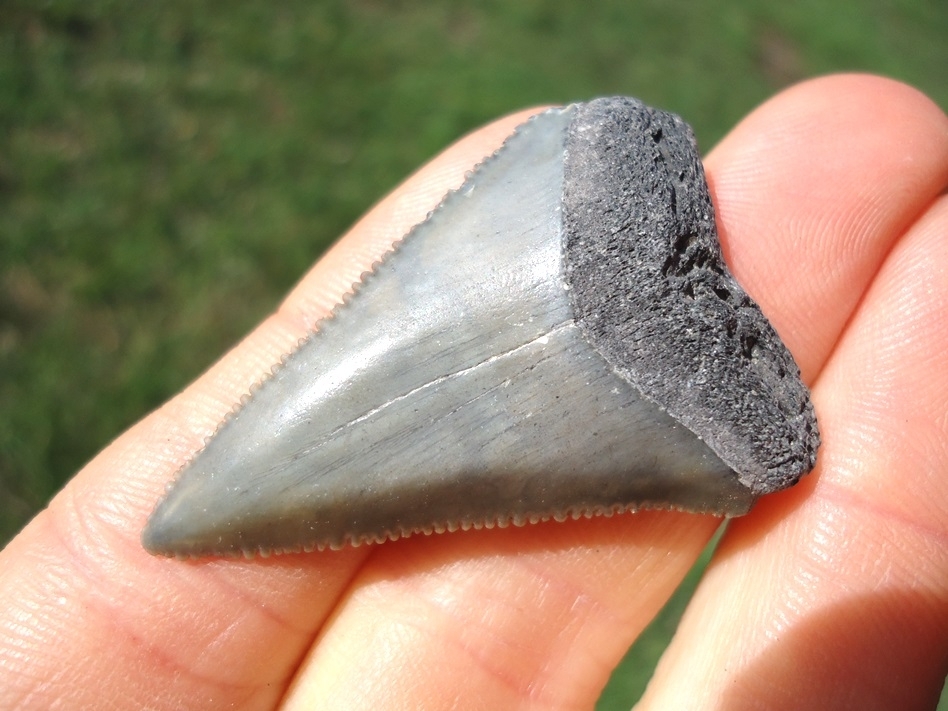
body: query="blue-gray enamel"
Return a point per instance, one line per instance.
(488, 371)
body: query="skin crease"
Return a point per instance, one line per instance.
(832, 207)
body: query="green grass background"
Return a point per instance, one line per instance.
(169, 170)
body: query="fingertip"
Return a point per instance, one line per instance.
(814, 187)
(839, 100)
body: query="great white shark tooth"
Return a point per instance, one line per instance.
(559, 338)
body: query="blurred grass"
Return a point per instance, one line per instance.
(168, 170)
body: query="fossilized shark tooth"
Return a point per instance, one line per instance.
(559, 338)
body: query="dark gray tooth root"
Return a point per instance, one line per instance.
(559, 338)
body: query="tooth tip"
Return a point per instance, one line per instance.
(157, 539)
(181, 527)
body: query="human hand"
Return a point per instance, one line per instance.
(833, 215)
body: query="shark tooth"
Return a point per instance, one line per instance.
(559, 338)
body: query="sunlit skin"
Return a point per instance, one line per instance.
(833, 213)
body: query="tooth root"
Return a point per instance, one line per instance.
(479, 376)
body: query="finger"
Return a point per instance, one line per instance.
(535, 616)
(811, 192)
(835, 595)
(88, 619)
(542, 615)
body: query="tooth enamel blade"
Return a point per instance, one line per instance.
(508, 362)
